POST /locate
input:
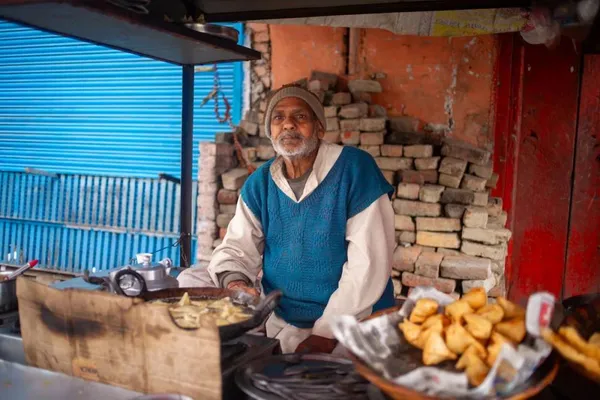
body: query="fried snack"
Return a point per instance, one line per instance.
(457, 309)
(467, 357)
(477, 298)
(513, 329)
(435, 319)
(570, 353)
(410, 331)
(424, 308)
(595, 339)
(492, 312)
(511, 310)
(436, 351)
(493, 349)
(424, 336)
(574, 339)
(185, 300)
(458, 340)
(476, 371)
(478, 326)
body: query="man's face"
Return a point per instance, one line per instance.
(295, 131)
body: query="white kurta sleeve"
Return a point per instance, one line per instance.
(365, 275)
(242, 247)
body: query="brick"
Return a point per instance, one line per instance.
(482, 250)
(430, 193)
(499, 266)
(257, 27)
(454, 210)
(465, 152)
(318, 84)
(324, 76)
(497, 221)
(205, 240)
(332, 137)
(453, 166)
(251, 128)
(216, 149)
(459, 196)
(480, 199)
(222, 233)
(434, 239)
(350, 125)
(265, 151)
(260, 37)
(333, 124)
(441, 284)
(204, 253)
(250, 153)
(407, 237)
(224, 137)
(227, 208)
(364, 85)
(253, 116)
(206, 227)
(372, 124)
(475, 217)
(350, 137)
(494, 206)
(488, 284)
(448, 252)
(438, 224)
(403, 223)
(449, 181)
(397, 287)
(208, 188)
(341, 99)
(465, 267)
(418, 151)
(234, 179)
(374, 151)
(391, 150)
(428, 264)
(320, 95)
(411, 176)
(482, 171)
(474, 183)
(372, 138)
(406, 257)
(393, 163)
(427, 163)
(429, 175)
(408, 191)
(260, 70)
(356, 110)
(499, 290)
(417, 208)
(390, 176)
(375, 110)
(486, 236)
(493, 181)
(362, 97)
(223, 220)
(331, 111)
(406, 124)
(225, 196)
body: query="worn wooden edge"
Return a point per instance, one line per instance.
(398, 392)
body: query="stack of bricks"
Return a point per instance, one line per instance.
(260, 70)
(451, 234)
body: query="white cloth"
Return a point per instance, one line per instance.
(370, 249)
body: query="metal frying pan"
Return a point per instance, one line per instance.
(260, 308)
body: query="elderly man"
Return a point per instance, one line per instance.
(316, 221)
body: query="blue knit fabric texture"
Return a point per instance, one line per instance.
(305, 243)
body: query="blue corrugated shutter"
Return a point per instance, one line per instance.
(108, 123)
(68, 106)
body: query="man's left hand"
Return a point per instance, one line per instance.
(316, 344)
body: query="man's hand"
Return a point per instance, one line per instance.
(242, 286)
(316, 344)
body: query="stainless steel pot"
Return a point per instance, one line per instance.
(8, 293)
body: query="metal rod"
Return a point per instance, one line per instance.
(187, 148)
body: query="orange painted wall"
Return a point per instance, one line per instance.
(432, 78)
(298, 50)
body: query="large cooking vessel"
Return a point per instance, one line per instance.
(261, 307)
(8, 293)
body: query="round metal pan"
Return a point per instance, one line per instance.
(260, 308)
(215, 30)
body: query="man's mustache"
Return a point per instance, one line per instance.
(290, 135)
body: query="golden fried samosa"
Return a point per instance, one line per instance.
(457, 309)
(478, 326)
(476, 297)
(513, 329)
(436, 351)
(424, 308)
(511, 310)
(492, 312)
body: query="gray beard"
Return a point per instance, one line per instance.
(307, 147)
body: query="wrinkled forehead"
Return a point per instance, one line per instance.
(291, 104)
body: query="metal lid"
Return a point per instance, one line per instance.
(216, 30)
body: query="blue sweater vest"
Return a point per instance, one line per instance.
(305, 243)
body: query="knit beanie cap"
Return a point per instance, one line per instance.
(294, 91)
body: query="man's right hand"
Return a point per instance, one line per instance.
(242, 286)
